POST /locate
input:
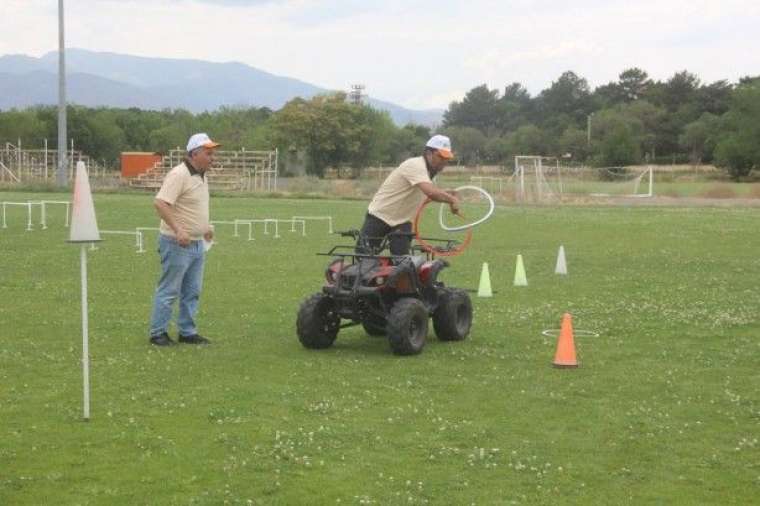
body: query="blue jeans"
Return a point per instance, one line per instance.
(181, 277)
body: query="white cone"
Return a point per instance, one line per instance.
(561, 267)
(84, 225)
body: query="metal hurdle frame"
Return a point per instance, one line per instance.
(28, 205)
(266, 222)
(43, 211)
(136, 233)
(141, 241)
(303, 218)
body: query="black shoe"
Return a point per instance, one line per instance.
(162, 340)
(194, 339)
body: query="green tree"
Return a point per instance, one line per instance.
(24, 125)
(468, 144)
(569, 95)
(633, 84)
(738, 149)
(619, 148)
(574, 142)
(699, 138)
(526, 140)
(616, 137)
(515, 108)
(406, 142)
(497, 150)
(331, 131)
(478, 109)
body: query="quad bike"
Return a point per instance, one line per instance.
(392, 296)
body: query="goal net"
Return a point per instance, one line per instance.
(622, 182)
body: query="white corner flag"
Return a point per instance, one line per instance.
(84, 229)
(561, 267)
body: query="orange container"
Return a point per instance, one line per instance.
(134, 163)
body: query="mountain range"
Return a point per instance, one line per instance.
(117, 80)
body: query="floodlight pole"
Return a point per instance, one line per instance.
(62, 170)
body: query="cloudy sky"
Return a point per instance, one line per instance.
(418, 54)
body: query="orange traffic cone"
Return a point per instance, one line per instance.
(565, 356)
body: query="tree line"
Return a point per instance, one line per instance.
(632, 120)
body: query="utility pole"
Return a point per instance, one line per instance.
(61, 172)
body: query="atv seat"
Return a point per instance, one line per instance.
(418, 260)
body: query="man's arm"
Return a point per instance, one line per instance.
(439, 195)
(166, 213)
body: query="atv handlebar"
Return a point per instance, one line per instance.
(353, 233)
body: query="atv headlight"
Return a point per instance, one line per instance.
(332, 271)
(380, 280)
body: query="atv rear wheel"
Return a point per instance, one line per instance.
(318, 323)
(407, 326)
(453, 318)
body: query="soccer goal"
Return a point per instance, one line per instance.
(537, 178)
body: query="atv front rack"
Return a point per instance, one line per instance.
(446, 245)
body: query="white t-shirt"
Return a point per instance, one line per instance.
(398, 198)
(188, 196)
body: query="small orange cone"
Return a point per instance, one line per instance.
(565, 356)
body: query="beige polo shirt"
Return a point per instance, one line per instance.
(398, 198)
(188, 196)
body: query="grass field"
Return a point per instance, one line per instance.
(665, 408)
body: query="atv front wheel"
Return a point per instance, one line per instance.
(317, 323)
(453, 318)
(407, 326)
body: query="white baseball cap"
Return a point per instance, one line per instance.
(201, 140)
(442, 144)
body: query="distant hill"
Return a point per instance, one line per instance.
(118, 80)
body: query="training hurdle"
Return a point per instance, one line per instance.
(266, 222)
(250, 223)
(140, 239)
(136, 233)
(293, 222)
(303, 218)
(43, 211)
(28, 206)
(222, 222)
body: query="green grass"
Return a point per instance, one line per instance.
(665, 408)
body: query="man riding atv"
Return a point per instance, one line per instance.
(396, 201)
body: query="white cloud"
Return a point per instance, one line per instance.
(418, 54)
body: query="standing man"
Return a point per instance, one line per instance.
(394, 205)
(182, 204)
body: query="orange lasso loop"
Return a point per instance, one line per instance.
(458, 250)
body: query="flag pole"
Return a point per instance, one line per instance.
(85, 335)
(84, 230)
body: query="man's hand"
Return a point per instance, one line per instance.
(183, 238)
(454, 204)
(209, 235)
